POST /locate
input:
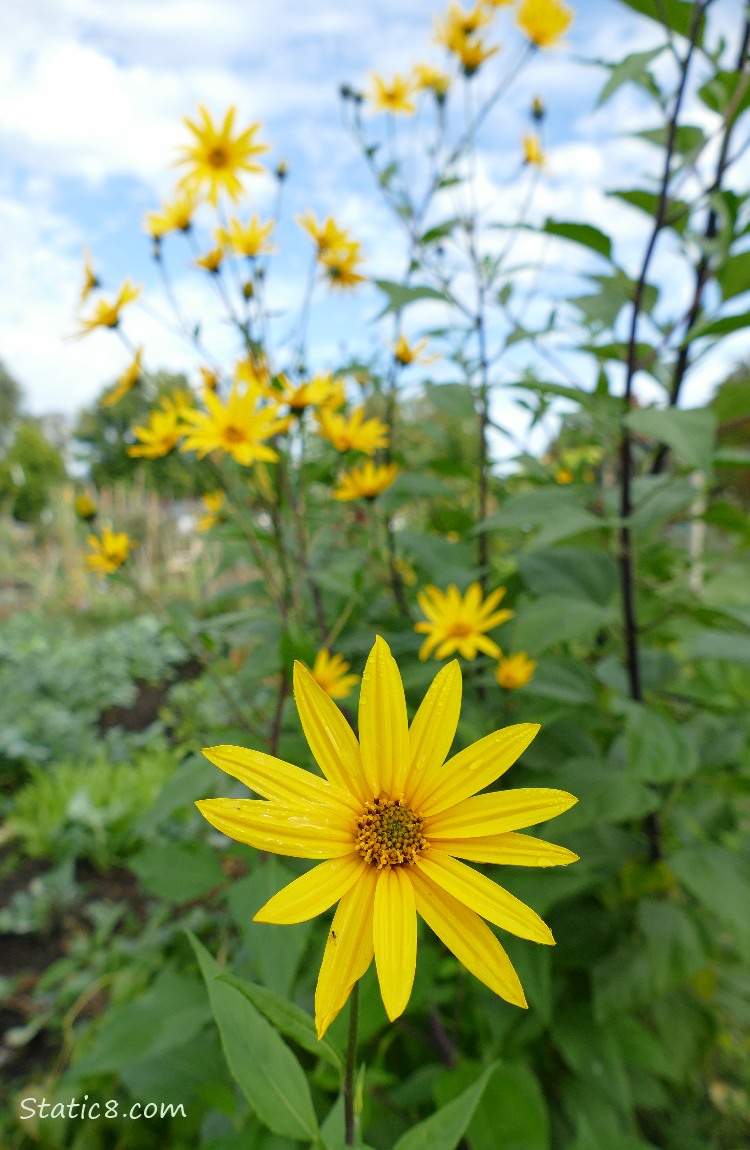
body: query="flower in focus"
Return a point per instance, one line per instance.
(90, 278)
(341, 265)
(394, 95)
(460, 622)
(161, 435)
(175, 216)
(108, 552)
(107, 313)
(544, 21)
(532, 150)
(354, 433)
(330, 672)
(84, 507)
(327, 235)
(211, 261)
(365, 482)
(429, 78)
(216, 158)
(238, 427)
(407, 353)
(213, 503)
(514, 671)
(390, 822)
(250, 239)
(126, 382)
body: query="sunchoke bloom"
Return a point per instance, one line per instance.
(216, 158)
(394, 95)
(459, 23)
(213, 503)
(459, 622)
(473, 53)
(107, 313)
(431, 79)
(498, 3)
(514, 671)
(330, 672)
(250, 239)
(365, 482)
(175, 216)
(90, 278)
(341, 264)
(532, 151)
(322, 391)
(126, 382)
(564, 475)
(544, 21)
(84, 507)
(238, 427)
(326, 235)
(407, 353)
(353, 433)
(209, 378)
(109, 552)
(211, 261)
(160, 435)
(391, 820)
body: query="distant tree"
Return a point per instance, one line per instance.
(30, 468)
(10, 402)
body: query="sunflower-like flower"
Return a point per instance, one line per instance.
(353, 433)
(394, 95)
(106, 313)
(431, 79)
(326, 235)
(161, 434)
(216, 158)
(330, 672)
(460, 22)
(211, 260)
(90, 279)
(250, 239)
(322, 391)
(209, 378)
(341, 265)
(391, 820)
(514, 671)
(407, 353)
(126, 382)
(213, 504)
(84, 507)
(533, 153)
(459, 622)
(175, 216)
(108, 552)
(472, 53)
(544, 21)
(365, 482)
(238, 427)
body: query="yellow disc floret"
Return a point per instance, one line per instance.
(389, 834)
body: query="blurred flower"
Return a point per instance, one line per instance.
(341, 263)
(209, 378)
(394, 95)
(458, 623)
(160, 435)
(532, 151)
(353, 433)
(365, 482)
(320, 391)
(216, 158)
(248, 239)
(90, 278)
(459, 23)
(108, 552)
(107, 314)
(429, 78)
(85, 508)
(211, 261)
(543, 21)
(238, 427)
(472, 54)
(563, 475)
(537, 108)
(179, 400)
(326, 235)
(253, 371)
(514, 670)
(407, 353)
(213, 504)
(125, 382)
(498, 3)
(391, 820)
(330, 672)
(175, 216)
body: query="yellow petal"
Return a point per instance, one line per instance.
(395, 938)
(383, 726)
(331, 739)
(314, 892)
(303, 833)
(349, 950)
(470, 939)
(274, 779)
(433, 728)
(498, 812)
(510, 849)
(484, 896)
(474, 769)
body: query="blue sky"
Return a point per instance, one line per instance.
(91, 97)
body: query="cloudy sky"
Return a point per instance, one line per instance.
(91, 98)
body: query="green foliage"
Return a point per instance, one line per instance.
(30, 468)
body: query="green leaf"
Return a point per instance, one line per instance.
(261, 1063)
(453, 399)
(656, 749)
(688, 137)
(445, 1129)
(723, 326)
(576, 571)
(440, 231)
(732, 457)
(555, 511)
(276, 950)
(720, 91)
(179, 872)
(591, 1051)
(512, 1103)
(690, 434)
(677, 214)
(557, 619)
(562, 679)
(677, 15)
(674, 947)
(733, 275)
(584, 234)
(660, 498)
(401, 295)
(719, 882)
(633, 69)
(726, 646)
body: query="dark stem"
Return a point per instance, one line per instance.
(351, 1067)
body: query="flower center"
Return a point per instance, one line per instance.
(389, 834)
(218, 157)
(234, 434)
(460, 629)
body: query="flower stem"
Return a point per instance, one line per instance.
(351, 1067)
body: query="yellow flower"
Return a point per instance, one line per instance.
(253, 371)
(388, 824)
(109, 552)
(407, 353)
(459, 23)
(498, 3)
(326, 235)
(107, 314)
(175, 216)
(340, 265)
(544, 21)
(354, 433)
(126, 382)
(514, 670)
(213, 504)
(90, 278)
(532, 150)
(563, 475)
(211, 261)
(321, 391)
(209, 378)
(472, 54)
(162, 433)
(365, 482)
(393, 95)
(330, 672)
(216, 158)
(429, 78)
(458, 623)
(248, 239)
(238, 427)
(85, 508)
